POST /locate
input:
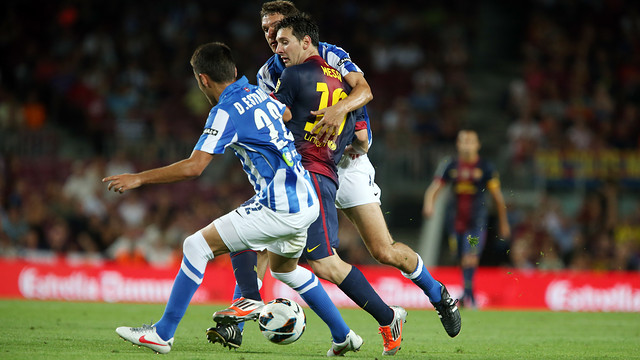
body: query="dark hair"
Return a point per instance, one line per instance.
(285, 8)
(215, 60)
(301, 25)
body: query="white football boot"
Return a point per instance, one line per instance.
(146, 336)
(353, 342)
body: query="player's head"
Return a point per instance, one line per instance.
(213, 65)
(270, 14)
(468, 143)
(297, 38)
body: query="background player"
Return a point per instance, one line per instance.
(470, 175)
(276, 219)
(358, 195)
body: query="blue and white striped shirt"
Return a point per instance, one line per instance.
(249, 121)
(335, 56)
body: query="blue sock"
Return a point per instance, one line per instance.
(467, 275)
(194, 262)
(421, 277)
(307, 285)
(181, 294)
(244, 265)
(238, 294)
(358, 289)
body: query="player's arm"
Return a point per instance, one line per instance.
(359, 145)
(359, 96)
(430, 196)
(178, 171)
(287, 115)
(501, 207)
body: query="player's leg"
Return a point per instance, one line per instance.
(321, 242)
(198, 249)
(245, 266)
(283, 261)
(259, 229)
(359, 198)
(371, 225)
(470, 245)
(256, 262)
(249, 267)
(310, 289)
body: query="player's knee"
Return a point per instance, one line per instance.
(279, 276)
(470, 261)
(332, 269)
(383, 253)
(322, 270)
(384, 257)
(191, 243)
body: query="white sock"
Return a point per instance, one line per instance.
(417, 271)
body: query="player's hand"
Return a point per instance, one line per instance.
(122, 183)
(352, 152)
(327, 128)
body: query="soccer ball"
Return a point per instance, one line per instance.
(282, 321)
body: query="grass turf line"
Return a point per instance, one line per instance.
(74, 330)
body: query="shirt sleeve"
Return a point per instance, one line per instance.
(443, 172)
(338, 59)
(264, 79)
(219, 132)
(492, 176)
(361, 121)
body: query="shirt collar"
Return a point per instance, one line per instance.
(242, 82)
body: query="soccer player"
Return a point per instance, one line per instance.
(470, 176)
(309, 83)
(358, 196)
(276, 219)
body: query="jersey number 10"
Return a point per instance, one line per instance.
(338, 94)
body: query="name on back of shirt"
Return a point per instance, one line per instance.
(331, 72)
(250, 101)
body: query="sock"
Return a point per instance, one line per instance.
(421, 277)
(196, 254)
(358, 289)
(244, 265)
(467, 275)
(307, 285)
(238, 294)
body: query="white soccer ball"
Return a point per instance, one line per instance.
(282, 321)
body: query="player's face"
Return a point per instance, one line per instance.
(468, 143)
(289, 48)
(268, 28)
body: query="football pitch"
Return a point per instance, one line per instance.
(74, 330)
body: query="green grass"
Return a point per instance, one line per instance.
(71, 330)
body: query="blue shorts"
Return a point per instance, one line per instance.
(322, 236)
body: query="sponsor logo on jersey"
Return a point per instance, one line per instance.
(213, 132)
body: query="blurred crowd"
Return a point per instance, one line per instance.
(89, 89)
(579, 90)
(579, 87)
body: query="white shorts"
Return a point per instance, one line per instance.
(254, 226)
(357, 183)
